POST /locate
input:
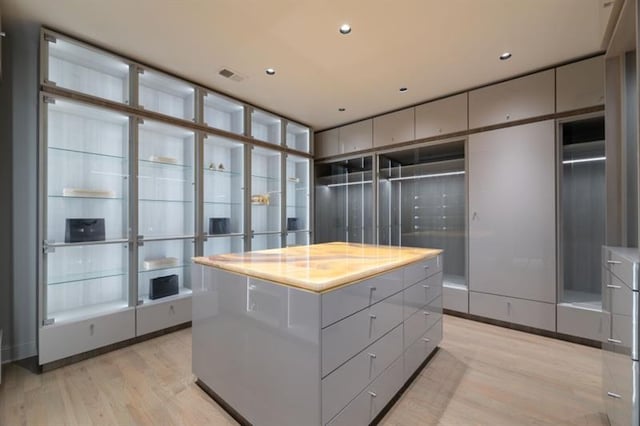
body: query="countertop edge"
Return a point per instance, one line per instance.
(331, 286)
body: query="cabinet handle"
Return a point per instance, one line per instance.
(425, 286)
(426, 267)
(373, 394)
(613, 286)
(373, 288)
(91, 329)
(424, 339)
(613, 395)
(614, 341)
(614, 262)
(426, 313)
(372, 316)
(372, 355)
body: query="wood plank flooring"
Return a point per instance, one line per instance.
(482, 375)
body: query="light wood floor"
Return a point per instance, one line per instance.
(482, 375)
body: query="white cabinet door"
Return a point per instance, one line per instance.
(395, 127)
(580, 85)
(512, 231)
(441, 117)
(524, 97)
(356, 137)
(327, 143)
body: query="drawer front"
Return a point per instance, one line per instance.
(421, 321)
(344, 301)
(621, 297)
(580, 85)
(518, 311)
(440, 117)
(62, 340)
(622, 268)
(525, 97)
(160, 315)
(418, 295)
(341, 386)
(418, 271)
(356, 136)
(587, 323)
(366, 406)
(619, 396)
(455, 298)
(327, 143)
(394, 127)
(346, 338)
(419, 350)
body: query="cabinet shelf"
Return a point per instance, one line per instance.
(163, 268)
(153, 200)
(66, 197)
(89, 153)
(222, 203)
(221, 172)
(89, 311)
(85, 276)
(266, 178)
(162, 165)
(182, 293)
(233, 234)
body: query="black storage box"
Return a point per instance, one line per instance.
(163, 286)
(84, 230)
(219, 225)
(292, 224)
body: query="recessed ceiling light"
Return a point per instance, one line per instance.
(505, 56)
(342, 109)
(403, 89)
(345, 29)
(270, 71)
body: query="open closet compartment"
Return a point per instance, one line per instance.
(344, 201)
(422, 203)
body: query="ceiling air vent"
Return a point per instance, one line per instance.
(230, 74)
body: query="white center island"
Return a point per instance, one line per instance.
(326, 334)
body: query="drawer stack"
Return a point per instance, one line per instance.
(621, 368)
(375, 334)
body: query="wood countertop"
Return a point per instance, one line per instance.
(319, 267)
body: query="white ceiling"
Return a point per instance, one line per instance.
(432, 47)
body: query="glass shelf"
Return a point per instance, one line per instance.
(67, 197)
(150, 200)
(266, 185)
(223, 113)
(182, 292)
(87, 276)
(223, 243)
(269, 178)
(160, 164)
(298, 194)
(297, 137)
(97, 154)
(88, 311)
(222, 172)
(75, 67)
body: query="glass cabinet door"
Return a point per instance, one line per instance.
(583, 204)
(223, 191)
(166, 95)
(347, 187)
(75, 67)
(165, 181)
(265, 127)
(297, 137)
(422, 203)
(224, 114)
(297, 195)
(86, 226)
(164, 260)
(266, 199)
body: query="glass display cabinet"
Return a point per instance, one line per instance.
(223, 195)
(166, 191)
(346, 186)
(422, 203)
(582, 204)
(266, 127)
(222, 113)
(86, 210)
(166, 95)
(82, 69)
(297, 137)
(266, 198)
(298, 198)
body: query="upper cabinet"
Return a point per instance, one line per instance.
(298, 137)
(448, 115)
(75, 67)
(356, 137)
(327, 143)
(524, 97)
(166, 95)
(580, 85)
(266, 127)
(394, 128)
(223, 113)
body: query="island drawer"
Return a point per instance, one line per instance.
(344, 301)
(621, 297)
(419, 350)
(418, 323)
(418, 295)
(620, 266)
(368, 404)
(346, 338)
(342, 385)
(159, 315)
(418, 271)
